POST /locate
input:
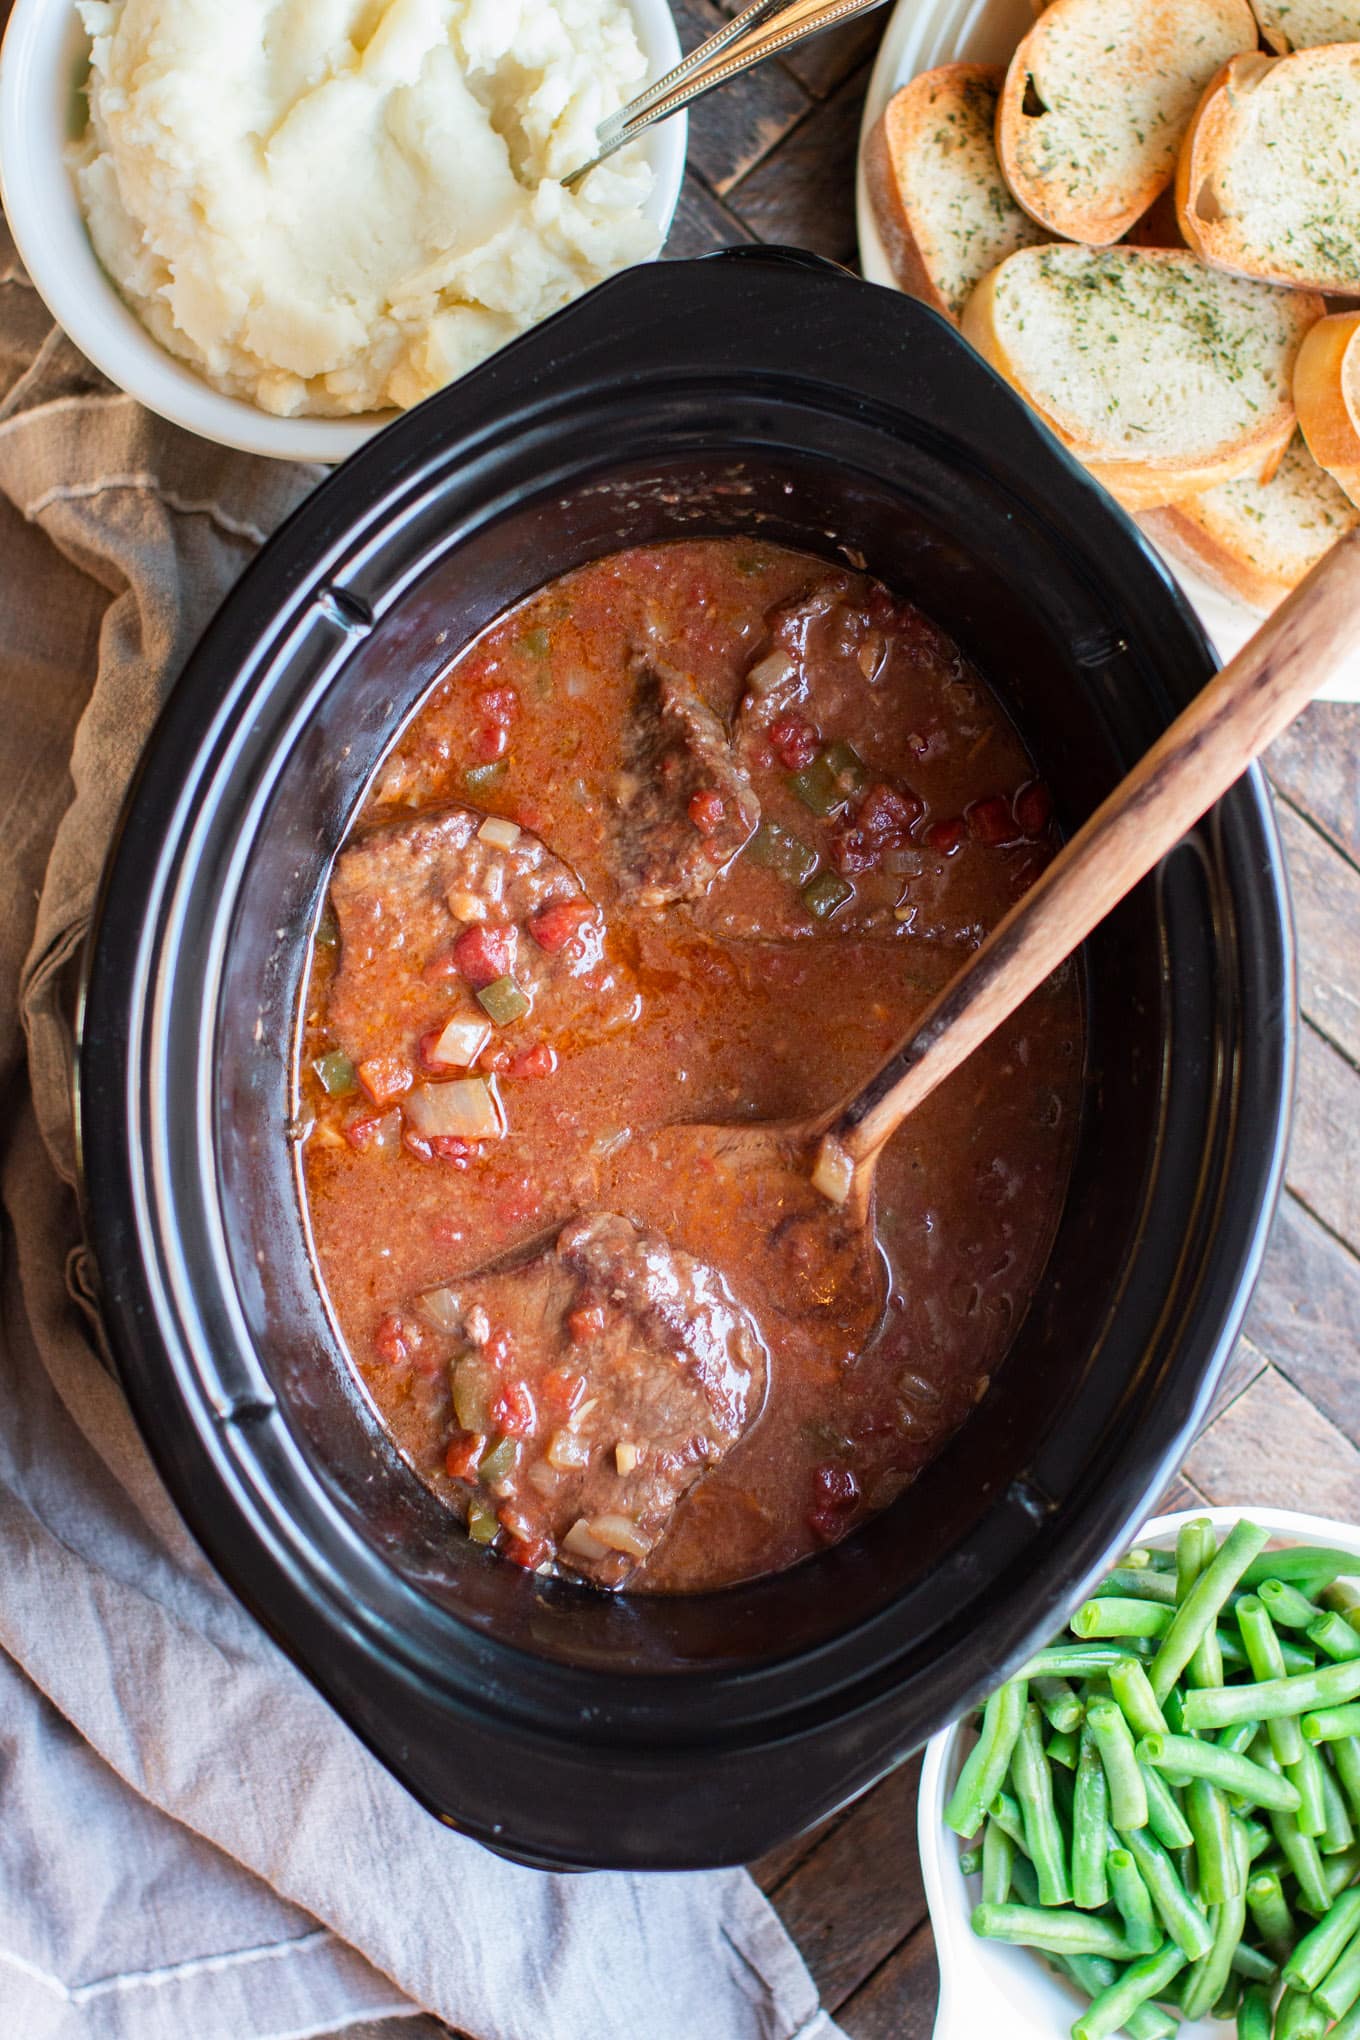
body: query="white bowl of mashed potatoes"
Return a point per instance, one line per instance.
(278, 222)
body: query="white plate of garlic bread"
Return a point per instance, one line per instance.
(1146, 215)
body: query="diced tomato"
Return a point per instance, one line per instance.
(483, 953)
(490, 742)
(451, 1148)
(947, 837)
(1032, 808)
(794, 742)
(498, 705)
(416, 1144)
(528, 1552)
(586, 1323)
(530, 817)
(463, 1456)
(497, 1059)
(706, 811)
(513, 1410)
(561, 1390)
(883, 820)
(385, 1078)
(365, 1132)
(835, 1491)
(559, 923)
(991, 821)
(540, 1061)
(393, 1341)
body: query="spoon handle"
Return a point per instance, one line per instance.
(1190, 767)
(761, 30)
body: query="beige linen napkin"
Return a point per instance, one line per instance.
(192, 1847)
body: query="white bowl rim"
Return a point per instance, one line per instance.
(938, 1846)
(44, 217)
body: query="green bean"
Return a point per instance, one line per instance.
(1345, 1750)
(1128, 1794)
(1143, 1979)
(1320, 1950)
(1256, 1967)
(1306, 1778)
(1341, 1869)
(1063, 1749)
(1297, 1657)
(1334, 1637)
(1239, 1738)
(1024, 1883)
(1267, 1662)
(1082, 1660)
(1258, 1836)
(1216, 1873)
(1092, 1974)
(970, 1862)
(1184, 1757)
(1005, 1811)
(1141, 1584)
(1270, 1910)
(1120, 1618)
(1286, 1606)
(1033, 1781)
(1063, 1710)
(1209, 1978)
(1267, 1701)
(1347, 2028)
(1178, 1912)
(998, 1860)
(1330, 1724)
(1301, 1853)
(1165, 1818)
(1090, 1815)
(1229, 1998)
(1199, 1611)
(1338, 1831)
(984, 1774)
(1135, 1698)
(1345, 1600)
(1132, 1903)
(1062, 1933)
(1253, 2014)
(1300, 1565)
(1150, 2022)
(1297, 2017)
(1195, 1547)
(1339, 1989)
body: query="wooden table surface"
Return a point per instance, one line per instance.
(772, 158)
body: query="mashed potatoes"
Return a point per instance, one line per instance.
(332, 206)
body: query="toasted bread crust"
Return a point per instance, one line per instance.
(1327, 397)
(894, 158)
(1138, 484)
(1208, 147)
(1232, 546)
(1048, 186)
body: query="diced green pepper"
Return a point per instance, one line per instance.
(781, 852)
(470, 1382)
(827, 892)
(498, 1462)
(535, 643)
(846, 766)
(482, 1526)
(336, 1073)
(503, 1002)
(818, 787)
(478, 778)
(327, 929)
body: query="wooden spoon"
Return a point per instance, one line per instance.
(789, 1206)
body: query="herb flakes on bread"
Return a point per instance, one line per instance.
(1327, 397)
(1163, 376)
(1306, 24)
(1096, 102)
(1253, 539)
(940, 200)
(1268, 183)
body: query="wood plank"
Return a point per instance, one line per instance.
(1324, 1156)
(1245, 1365)
(1314, 762)
(851, 1902)
(1273, 1448)
(899, 2000)
(1306, 1314)
(733, 128)
(824, 62)
(702, 223)
(775, 1865)
(804, 194)
(1180, 1495)
(1326, 892)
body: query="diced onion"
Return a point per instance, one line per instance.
(834, 1173)
(499, 833)
(543, 1478)
(625, 1455)
(771, 672)
(581, 1544)
(441, 1308)
(567, 1451)
(619, 1533)
(461, 1043)
(467, 1109)
(466, 906)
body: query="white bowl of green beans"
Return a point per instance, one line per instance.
(1154, 1829)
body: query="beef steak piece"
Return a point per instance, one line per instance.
(686, 807)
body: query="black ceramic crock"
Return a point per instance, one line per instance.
(752, 393)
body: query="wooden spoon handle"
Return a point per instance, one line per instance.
(1190, 767)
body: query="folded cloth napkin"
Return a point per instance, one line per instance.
(192, 1847)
